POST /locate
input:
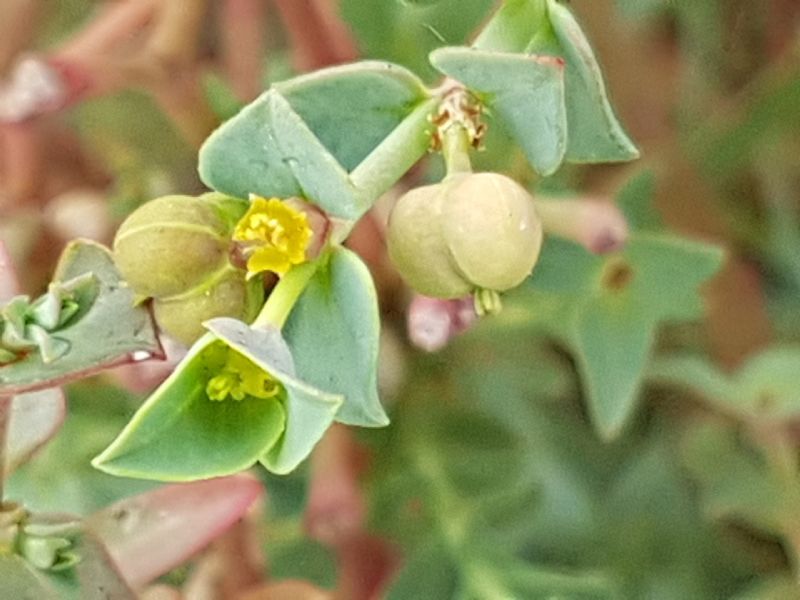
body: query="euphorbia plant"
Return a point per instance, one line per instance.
(282, 319)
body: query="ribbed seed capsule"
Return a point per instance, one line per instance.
(472, 231)
(172, 244)
(226, 295)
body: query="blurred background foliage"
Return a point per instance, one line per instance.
(490, 482)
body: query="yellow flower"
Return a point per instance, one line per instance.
(239, 378)
(273, 235)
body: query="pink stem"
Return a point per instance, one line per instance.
(308, 34)
(118, 22)
(242, 25)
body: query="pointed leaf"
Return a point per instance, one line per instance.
(35, 418)
(595, 135)
(309, 411)
(149, 534)
(352, 108)
(107, 331)
(613, 341)
(525, 92)
(333, 331)
(366, 101)
(320, 176)
(607, 308)
(179, 434)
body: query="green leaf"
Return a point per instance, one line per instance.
(607, 308)
(333, 332)
(301, 137)
(179, 434)
(107, 330)
(735, 483)
(513, 26)
(595, 135)
(393, 30)
(613, 341)
(430, 573)
(309, 411)
(352, 108)
(526, 93)
(763, 391)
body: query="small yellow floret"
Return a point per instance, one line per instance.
(274, 236)
(240, 377)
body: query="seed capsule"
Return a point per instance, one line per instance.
(172, 244)
(228, 295)
(470, 232)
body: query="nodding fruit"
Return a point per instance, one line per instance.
(472, 231)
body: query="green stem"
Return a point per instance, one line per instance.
(395, 155)
(282, 299)
(455, 149)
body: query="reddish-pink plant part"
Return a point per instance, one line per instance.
(150, 534)
(433, 322)
(9, 285)
(35, 418)
(598, 226)
(336, 509)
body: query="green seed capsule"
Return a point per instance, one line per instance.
(228, 294)
(170, 245)
(472, 231)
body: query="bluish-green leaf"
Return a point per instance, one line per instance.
(179, 434)
(333, 332)
(524, 92)
(305, 134)
(613, 338)
(595, 134)
(352, 108)
(309, 411)
(107, 330)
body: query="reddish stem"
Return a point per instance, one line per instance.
(309, 35)
(117, 22)
(242, 25)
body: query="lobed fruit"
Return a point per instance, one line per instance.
(472, 231)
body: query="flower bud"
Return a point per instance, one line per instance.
(229, 295)
(172, 244)
(470, 232)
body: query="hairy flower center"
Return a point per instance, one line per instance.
(273, 236)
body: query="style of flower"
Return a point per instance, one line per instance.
(273, 236)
